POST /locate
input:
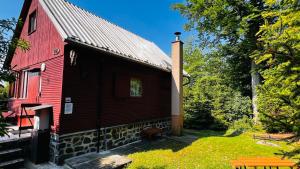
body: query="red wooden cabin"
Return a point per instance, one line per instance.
(105, 84)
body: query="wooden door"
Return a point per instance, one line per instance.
(33, 87)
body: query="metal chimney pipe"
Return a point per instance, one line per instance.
(177, 85)
(177, 34)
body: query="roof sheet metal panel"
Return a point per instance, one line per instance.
(84, 27)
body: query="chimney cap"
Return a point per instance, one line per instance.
(177, 33)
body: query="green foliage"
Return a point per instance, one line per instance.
(219, 20)
(240, 126)
(7, 27)
(279, 95)
(209, 102)
(3, 96)
(234, 26)
(4, 91)
(266, 31)
(229, 27)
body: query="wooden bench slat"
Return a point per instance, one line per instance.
(262, 162)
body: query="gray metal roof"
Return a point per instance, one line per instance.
(80, 26)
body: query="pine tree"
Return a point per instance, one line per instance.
(279, 37)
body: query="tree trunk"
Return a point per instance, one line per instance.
(255, 80)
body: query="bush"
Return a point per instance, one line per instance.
(240, 126)
(209, 102)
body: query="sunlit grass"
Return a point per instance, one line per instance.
(211, 151)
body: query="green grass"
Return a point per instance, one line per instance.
(212, 150)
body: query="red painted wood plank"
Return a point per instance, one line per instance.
(154, 104)
(42, 43)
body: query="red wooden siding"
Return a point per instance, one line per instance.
(80, 83)
(116, 108)
(52, 87)
(42, 44)
(43, 41)
(154, 103)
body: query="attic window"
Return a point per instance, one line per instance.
(32, 22)
(136, 87)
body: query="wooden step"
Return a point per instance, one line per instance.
(10, 151)
(14, 143)
(25, 127)
(13, 164)
(11, 154)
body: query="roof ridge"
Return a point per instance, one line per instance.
(107, 21)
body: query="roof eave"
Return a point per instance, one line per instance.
(73, 41)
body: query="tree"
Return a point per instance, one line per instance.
(230, 26)
(8, 43)
(265, 35)
(279, 57)
(209, 102)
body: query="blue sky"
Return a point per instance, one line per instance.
(154, 20)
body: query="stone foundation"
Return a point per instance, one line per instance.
(74, 144)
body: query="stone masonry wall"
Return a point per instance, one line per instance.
(74, 144)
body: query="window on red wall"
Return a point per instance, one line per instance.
(126, 86)
(136, 88)
(32, 22)
(24, 84)
(14, 87)
(18, 84)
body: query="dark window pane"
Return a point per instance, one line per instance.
(32, 22)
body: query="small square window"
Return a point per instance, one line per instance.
(32, 22)
(136, 88)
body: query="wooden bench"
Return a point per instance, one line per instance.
(255, 162)
(151, 132)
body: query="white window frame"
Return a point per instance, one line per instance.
(24, 93)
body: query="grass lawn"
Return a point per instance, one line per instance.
(212, 150)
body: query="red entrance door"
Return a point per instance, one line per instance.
(33, 87)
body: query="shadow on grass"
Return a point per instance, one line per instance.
(163, 144)
(234, 133)
(205, 133)
(189, 136)
(172, 142)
